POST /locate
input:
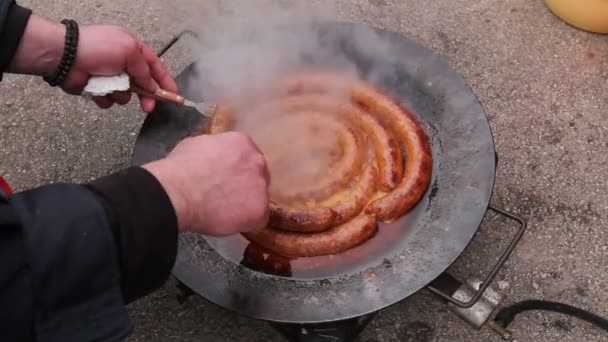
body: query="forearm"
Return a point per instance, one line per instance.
(29, 44)
(144, 224)
(40, 48)
(63, 224)
(60, 274)
(13, 22)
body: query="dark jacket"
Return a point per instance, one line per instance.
(72, 255)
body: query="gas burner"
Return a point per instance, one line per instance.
(473, 300)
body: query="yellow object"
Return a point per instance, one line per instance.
(589, 15)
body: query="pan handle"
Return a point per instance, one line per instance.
(501, 261)
(174, 40)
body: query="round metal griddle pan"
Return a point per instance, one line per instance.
(438, 230)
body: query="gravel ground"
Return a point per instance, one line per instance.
(544, 87)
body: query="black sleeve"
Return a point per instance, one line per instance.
(144, 226)
(13, 20)
(59, 274)
(71, 254)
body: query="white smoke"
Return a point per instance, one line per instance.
(240, 43)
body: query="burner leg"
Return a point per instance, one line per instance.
(479, 313)
(343, 331)
(479, 285)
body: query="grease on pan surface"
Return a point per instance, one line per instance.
(342, 156)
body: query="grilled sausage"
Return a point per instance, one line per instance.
(338, 211)
(220, 121)
(332, 241)
(416, 148)
(340, 174)
(303, 220)
(413, 140)
(349, 202)
(386, 147)
(263, 260)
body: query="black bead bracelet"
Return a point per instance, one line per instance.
(69, 54)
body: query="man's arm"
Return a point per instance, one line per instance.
(41, 52)
(73, 255)
(31, 44)
(13, 22)
(144, 225)
(34, 45)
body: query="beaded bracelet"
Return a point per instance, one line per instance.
(69, 54)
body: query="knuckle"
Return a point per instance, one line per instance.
(131, 45)
(126, 31)
(246, 147)
(258, 161)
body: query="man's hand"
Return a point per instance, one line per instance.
(102, 51)
(110, 50)
(218, 184)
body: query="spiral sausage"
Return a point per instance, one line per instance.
(317, 216)
(386, 147)
(340, 174)
(413, 139)
(384, 170)
(332, 241)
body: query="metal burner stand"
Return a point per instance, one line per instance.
(474, 301)
(339, 331)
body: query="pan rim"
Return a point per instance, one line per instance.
(212, 292)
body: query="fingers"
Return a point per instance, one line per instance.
(138, 68)
(265, 170)
(266, 210)
(266, 173)
(159, 70)
(121, 97)
(147, 70)
(103, 102)
(147, 103)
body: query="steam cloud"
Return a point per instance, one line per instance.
(239, 44)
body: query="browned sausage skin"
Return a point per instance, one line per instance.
(413, 140)
(340, 174)
(386, 147)
(332, 241)
(382, 175)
